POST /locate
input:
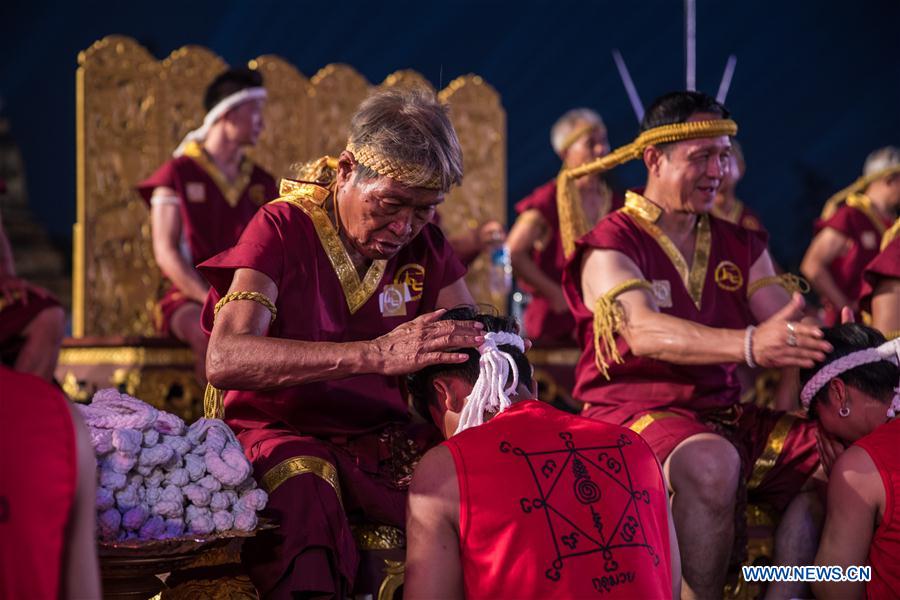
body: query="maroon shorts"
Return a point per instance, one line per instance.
(777, 449)
(317, 488)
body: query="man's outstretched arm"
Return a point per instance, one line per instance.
(664, 337)
(241, 357)
(433, 568)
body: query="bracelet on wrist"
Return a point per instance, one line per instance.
(748, 347)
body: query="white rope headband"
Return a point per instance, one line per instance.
(889, 351)
(217, 112)
(490, 392)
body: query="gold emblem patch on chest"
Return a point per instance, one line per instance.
(728, 276)
(413, 276)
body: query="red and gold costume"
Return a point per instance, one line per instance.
(38, 475)
(884, 551)
(589, 502)
(328, 452)
(667, 403)
(214, 211)
(863, 227)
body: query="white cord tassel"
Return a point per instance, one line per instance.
(490, 393)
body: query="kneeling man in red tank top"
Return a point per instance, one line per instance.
(526, 501)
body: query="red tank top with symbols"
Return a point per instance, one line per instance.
(554, 505)
(884, 552)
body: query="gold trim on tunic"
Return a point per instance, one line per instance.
(231, 190)
(863, 204)
(649, 419)
(309, 198)
(301, 465)
(774, 447)
(890, 235)
(645, 214)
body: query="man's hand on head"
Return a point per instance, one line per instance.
(425, 341)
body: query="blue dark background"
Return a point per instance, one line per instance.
(817, 84)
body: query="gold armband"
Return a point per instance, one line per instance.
(214, 398)
(892, 334)
(254, 296)
(607, 320)
(790, 282)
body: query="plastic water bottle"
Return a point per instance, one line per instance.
(500, 274)
(520, 302)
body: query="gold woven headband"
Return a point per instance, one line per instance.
(403, 172)
(572, 222)
(859, 185)
(576, 133)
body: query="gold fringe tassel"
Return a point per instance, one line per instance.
(890, 235)
(213, 402)
(572, 222)
(607, 320)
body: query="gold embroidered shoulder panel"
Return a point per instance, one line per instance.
(231, 190)
(863, 204)
(890, 235)
(310, 198)
(645, 214)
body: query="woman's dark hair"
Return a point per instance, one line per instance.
(229, 82)
(876, 379)
(421, 383)
(678, 107)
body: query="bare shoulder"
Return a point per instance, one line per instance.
(855, 474)
(435, 472)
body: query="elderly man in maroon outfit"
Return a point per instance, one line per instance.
(332, 292)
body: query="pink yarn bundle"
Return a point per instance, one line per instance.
(158, 478)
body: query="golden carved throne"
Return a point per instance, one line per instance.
(132, 110)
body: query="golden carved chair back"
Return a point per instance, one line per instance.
(132, 110)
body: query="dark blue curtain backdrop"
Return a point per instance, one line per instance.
(817, 84)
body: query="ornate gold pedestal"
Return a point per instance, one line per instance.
(158, 371)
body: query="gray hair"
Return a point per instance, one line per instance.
(881, 159)
(564, 125)
(409, 126)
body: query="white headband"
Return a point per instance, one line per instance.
(488, 393)
(889, 351)
(216, 113)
